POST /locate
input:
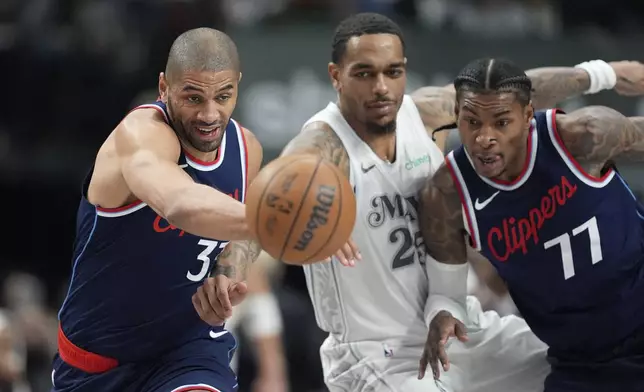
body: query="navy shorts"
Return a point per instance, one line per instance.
(621, 369)
(203, 364)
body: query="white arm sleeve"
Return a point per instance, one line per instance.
(447, 290)
(263, 317)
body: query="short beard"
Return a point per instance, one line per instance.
(187, 138)
(377, 129)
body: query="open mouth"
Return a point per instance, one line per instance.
(209, 133)
(489, 165)
(489, 160)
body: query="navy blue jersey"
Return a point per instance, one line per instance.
(134, 274)
(569, 245)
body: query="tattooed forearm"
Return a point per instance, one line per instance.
(236, 258)
(595, 135)
(319, 139)
(436, 105)
(441, 219)
(552, 85)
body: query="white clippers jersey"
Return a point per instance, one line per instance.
(383, 297)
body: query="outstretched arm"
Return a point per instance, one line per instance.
(595, 135)
(550, 86)
(147, 151)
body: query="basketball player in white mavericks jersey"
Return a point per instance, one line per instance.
(377, 312)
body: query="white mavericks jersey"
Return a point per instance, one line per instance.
(383, 297)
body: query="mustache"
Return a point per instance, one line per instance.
(382, 99)
(201, 124)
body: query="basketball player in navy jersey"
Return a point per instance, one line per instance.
(538, 194)
(163, 200)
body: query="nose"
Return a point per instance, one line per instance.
(486, 138)
(380, 88)
(209, 113)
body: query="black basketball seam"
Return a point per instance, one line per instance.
(297, 213)
(261, 200)
(337, 221)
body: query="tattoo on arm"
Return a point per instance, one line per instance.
(596, 135)
(235, 259)
(436, 106)
(552, 85)
(441, 219)
(319, 139)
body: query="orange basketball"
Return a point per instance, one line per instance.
(301, 208)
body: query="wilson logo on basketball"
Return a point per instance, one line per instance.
(319, 215)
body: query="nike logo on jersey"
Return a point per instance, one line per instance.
(216, 335)
(183, 166)
(368, 168)
(481, 205)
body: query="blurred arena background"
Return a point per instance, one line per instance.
(72, 68)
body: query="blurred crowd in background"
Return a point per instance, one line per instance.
(71, 69)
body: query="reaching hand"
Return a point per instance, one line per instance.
(214, 300)
(348, 254)
(630, 77)
(442, 327)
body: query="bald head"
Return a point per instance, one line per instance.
(202, 49)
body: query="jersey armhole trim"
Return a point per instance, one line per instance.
(75, 264)
(153, 106)
(469, 220)
(243, 146)
(569, 160)
(120, 211)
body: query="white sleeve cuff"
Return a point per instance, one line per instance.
(447, 290)
(602, 75)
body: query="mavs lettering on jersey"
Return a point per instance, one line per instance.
(134, 273)
(569, 245)
(403, 209)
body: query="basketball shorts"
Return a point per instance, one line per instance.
(200, 365)
(620, 369)
(502, 355)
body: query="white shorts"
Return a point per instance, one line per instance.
(502, 355)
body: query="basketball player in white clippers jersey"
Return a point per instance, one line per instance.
(377, 312)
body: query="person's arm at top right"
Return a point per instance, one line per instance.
(148, 150)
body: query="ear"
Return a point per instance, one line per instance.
(529, 114)
(163, 88)
(334, 75)
(240, 77)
